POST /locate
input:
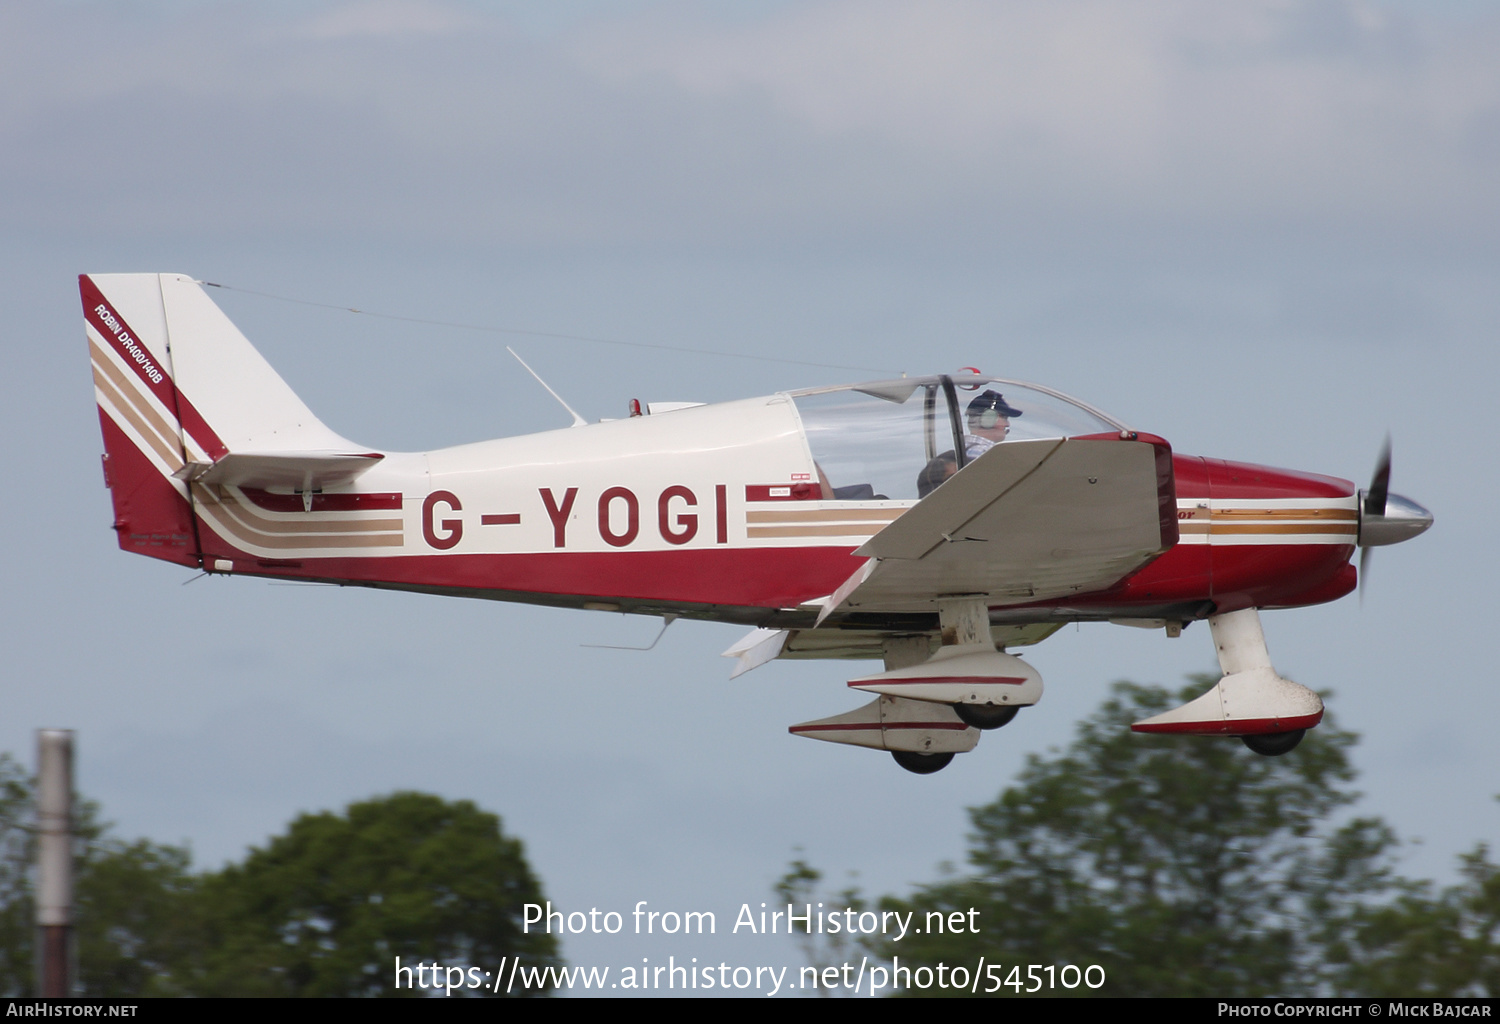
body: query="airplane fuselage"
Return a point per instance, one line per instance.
(712, 512)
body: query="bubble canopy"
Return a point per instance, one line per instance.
(897, 440)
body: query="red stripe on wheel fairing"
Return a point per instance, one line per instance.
(1239, 727)
(876, 726)
(923, 680)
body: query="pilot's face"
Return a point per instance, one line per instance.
(996, 432)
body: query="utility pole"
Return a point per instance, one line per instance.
(54, 903)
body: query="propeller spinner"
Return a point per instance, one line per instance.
(1386, 518)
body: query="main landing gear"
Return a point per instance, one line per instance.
(979, 716)
(986, 716)
(1274, 744)
(921, 764)
(930, 704)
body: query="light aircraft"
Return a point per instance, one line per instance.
(930, 522)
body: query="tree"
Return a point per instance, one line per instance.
(327, 908)
(1184, 866)
(1423, 943)
(17, 917)
(132, 901)
(799, 888)
(322, 910)
(134, 904)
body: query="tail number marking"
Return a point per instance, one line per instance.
(632, 516)
(559, 514)
(453, 529)
(686, 522)
(619, 516)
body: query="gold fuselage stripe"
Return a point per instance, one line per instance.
(233, 518)
(852, 530)
(824, 515)
(1246, 529)
(1285, 513)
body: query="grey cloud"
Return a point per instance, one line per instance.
(980, 124)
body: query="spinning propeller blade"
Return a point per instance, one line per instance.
(1385, 518)
(1364, 573)
(1374, 503)
(1380, 483)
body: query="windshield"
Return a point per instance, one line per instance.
(899, 439)
(1042, 411)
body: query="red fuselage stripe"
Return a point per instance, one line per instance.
(323, 502)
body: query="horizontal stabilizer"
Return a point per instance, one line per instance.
(298, 471)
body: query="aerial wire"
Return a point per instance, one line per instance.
(549, 334)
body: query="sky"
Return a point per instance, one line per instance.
(1266, 231)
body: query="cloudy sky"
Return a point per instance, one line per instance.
(1267, 231)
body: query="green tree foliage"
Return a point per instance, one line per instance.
(799, 887)
(326, 909)
(135, 903)
(131, 901)
(1189, 866)
(322, 910)
(16, 908)
(1421, 943)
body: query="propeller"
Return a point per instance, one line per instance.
(1380, 483)
(1385, 518)
(1372, 502)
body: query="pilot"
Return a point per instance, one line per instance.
(989, 421)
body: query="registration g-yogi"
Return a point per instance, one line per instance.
(932, 523)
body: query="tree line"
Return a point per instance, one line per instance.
(322, 910)
(1189, 866)
(1180, 866)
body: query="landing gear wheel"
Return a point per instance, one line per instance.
(1274, 744)
(922, 764)
(986, 716)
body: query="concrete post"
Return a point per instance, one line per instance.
(54, 889)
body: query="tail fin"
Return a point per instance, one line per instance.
(183, 396)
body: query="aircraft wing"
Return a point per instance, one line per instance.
(1027, 521)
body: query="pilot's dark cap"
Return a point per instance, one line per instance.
(992, 403)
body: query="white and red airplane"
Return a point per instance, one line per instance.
(932, 522)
